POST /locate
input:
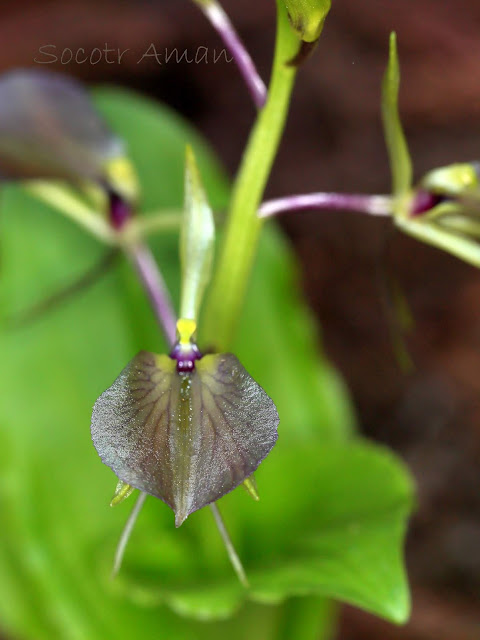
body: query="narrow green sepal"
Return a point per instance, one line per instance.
(196, 241)
(250, 486)
(122, 492)
(399, 155)
(460, 245)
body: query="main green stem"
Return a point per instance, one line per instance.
(243, 226)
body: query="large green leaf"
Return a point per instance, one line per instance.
(332, 513)
(342, 539)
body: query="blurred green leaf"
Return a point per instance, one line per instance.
(400, 162)
(321, 501)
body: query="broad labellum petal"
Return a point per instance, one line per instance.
(49, 129)
(187, 438)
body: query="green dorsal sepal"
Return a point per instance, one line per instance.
(400, 162)
(196, 241)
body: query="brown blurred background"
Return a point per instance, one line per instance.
(334, 142)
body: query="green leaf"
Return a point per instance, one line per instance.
(400, 162)
(58, 532)
(196, 241)
(342, 540)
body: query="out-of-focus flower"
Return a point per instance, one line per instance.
(49, 130)
(444, 208)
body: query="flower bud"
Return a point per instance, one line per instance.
(307, 17)
(444, 211)
(454, 180)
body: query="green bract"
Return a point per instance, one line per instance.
(308, 17)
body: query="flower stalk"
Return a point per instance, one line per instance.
(63, 200)
(243, 225)
(223, 25)
(371, 205)
(156, 289)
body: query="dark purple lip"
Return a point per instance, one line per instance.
(185, 357)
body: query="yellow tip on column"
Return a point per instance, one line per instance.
(122, 177)
(186, 328)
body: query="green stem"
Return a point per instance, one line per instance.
(243, 226)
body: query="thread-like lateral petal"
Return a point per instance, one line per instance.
(186, 438)
(50, 130)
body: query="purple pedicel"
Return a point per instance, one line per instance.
(425, 201)
(221, 22)
(185, 357)
(372, 205)
(154, 284)
(120, 211)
